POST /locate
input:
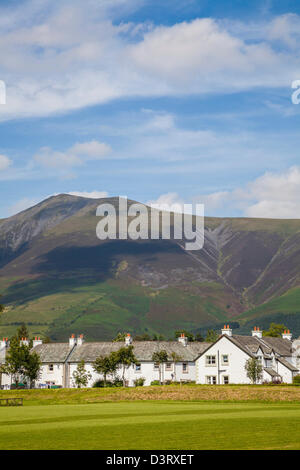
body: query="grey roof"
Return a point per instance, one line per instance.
(143, 350)
(288, 364)
(53, 352)
(249, 344)
(279, 345)
(271, 371)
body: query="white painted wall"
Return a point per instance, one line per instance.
(147, 371)
(235, 368)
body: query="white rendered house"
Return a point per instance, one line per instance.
(224, 361)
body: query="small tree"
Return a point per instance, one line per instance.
(211, 336)
(81, 376)
(160, 357)
(175, 358)
(14, 360)
(275, 330)
(32, 366)
(125, 357)
(254, 370)
(120, 338)
(22, 332)
(106, 365)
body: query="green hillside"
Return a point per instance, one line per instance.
(59, 278)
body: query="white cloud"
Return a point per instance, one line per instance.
(272, 195)
(75, 156)
(66, 56)
(5, 162)
(90, 194)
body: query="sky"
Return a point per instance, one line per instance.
(159, 100)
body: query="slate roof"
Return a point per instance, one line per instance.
(271, 372)
(143, 350)
(53, 352)
(249, 344)
(279, 345)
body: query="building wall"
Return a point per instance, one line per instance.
(235, 370)
(53, 377)
(146, 371)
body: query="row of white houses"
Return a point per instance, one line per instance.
(221, 362)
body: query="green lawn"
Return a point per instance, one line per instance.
(151, 425)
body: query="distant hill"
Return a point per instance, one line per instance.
(59, 278)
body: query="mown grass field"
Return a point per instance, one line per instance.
(154, 418)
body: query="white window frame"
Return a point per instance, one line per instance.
(224, 363)
(49, 369)
(156, 366)
(211, 378)
(186, 371)
(223, 379)
(138, 370)
(169, 366)
(208, 360)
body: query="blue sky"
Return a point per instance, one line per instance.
(165, 101)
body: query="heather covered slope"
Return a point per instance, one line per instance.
(58, 277)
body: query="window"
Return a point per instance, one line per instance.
(138, 367)
(156, 366)
(225, 379)
(168, 365)
(210, 360)
(225, 359)
(184, 368)
(211, 379)
(50, 367)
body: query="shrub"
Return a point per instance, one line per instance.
(100, 384)
(155, 382)
(139, 382)
(296, 380)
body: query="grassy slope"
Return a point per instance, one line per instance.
(101, 309)
(134, 424)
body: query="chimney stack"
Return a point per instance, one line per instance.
(182, 339)
(72, 341)
(36, 342)
(257, 332)
(4, 343)
(128, 339)
(287, 335)
(80, 340)
(226, 330)
(24, 342)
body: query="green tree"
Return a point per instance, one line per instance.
(1, 306)
(254, 370)
(211, 336)
(81, 376)
(275, 330)
(120, 337)
(189, 335)
(125, 358)
(106, 365)
(22, 332)
(32, 365)
(143, 337)
(175, 358)
(15, 360)
(199, 337)
(160, 357)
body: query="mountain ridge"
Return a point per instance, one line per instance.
(51, 249)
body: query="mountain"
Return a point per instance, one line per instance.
(59, 278)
